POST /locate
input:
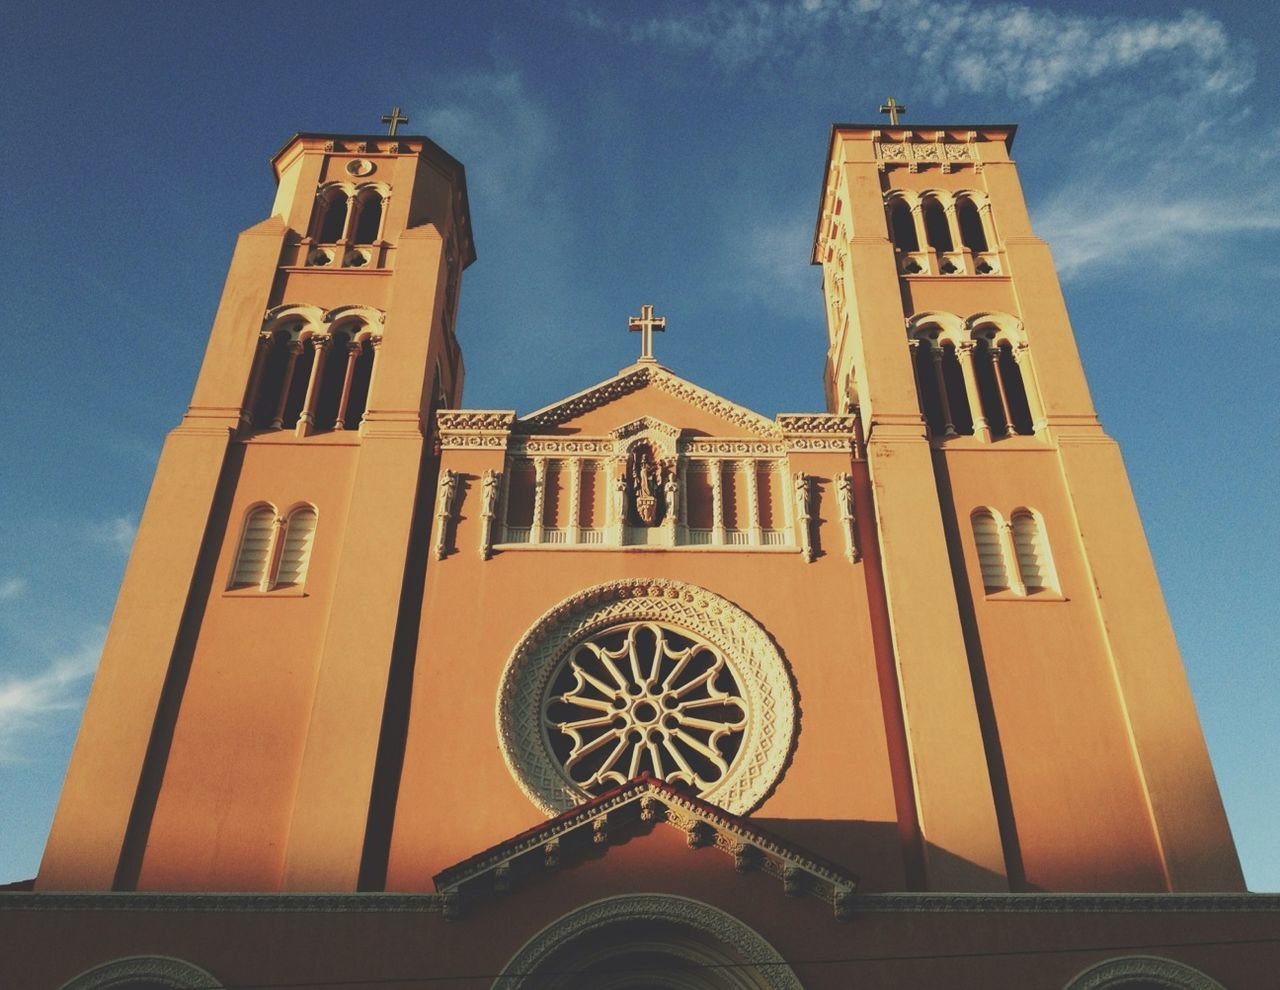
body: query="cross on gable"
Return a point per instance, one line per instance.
(394, 119)
(892, 107)
(646, 323)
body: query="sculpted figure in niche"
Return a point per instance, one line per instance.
(646, 477)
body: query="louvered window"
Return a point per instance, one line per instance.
(991, 558)
(1034, 561)
(255, 549)
(296, 553)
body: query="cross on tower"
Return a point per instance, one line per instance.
(892, 107)
(394, 119)
(646, 323)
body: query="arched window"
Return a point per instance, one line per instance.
(275, 369)
(1015, 391)
(332, 378)
(936, 228)
(295, 554)
(368, 218)
(1001, 389)
(971, 230)
(361, 378)
(1035, 563)
(144, 973)
(1142, 973)
(331, 216)
(989, 542)
(902, 226)
(274, 553)
(253, 558)
(944, 401)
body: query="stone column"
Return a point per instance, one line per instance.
(305, 421)
(964, 352)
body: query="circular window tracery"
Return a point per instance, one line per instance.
(643, 696)
(656, 676)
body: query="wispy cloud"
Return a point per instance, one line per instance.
(1027, 52)
(117, 533)
(491, 121)
(11, 588)
(1132, 192)
(30, 701)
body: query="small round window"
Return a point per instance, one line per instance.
(646, 676)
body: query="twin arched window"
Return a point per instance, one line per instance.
(940, 232)
(348, 214)
(969, 375)
(308, 379)
(1014, 555)
(274, 550)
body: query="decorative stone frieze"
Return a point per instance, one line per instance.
(820, 432)
(474, 428)
(765, 694)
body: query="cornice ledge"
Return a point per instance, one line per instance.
(819, 431)
(302, 903)
(1021, 903)
(470, 428)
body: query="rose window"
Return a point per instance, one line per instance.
(639, 697)
(638, 676)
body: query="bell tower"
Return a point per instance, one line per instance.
(1044, 694)
(277, 570)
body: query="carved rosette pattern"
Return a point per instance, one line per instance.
(1148, 969)
(763, 680)
(726, 932)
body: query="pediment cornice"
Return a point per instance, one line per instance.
(638, 806)
(633, 379)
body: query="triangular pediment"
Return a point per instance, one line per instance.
(621, 394)
(632, 812)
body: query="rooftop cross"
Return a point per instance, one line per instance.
(393, 120)
(646, 323)
(891, 106)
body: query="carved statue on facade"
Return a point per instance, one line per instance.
(646, 476)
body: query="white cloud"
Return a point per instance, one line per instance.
(490, 121)
(1135, 191)
(117, 533)
(1027, 52)
(769, 260)
(30, 701)
(11, 588)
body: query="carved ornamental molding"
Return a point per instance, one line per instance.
(703, 922)
(474, 428)
(759, 669)
(1150, 970)
(637, 805)
(820, 432)
(629, 381)
(914, 150)
(125, 973)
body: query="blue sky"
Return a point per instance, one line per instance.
(620, 154)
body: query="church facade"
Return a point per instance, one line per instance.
(642, 688)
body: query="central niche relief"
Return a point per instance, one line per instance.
(639, 697)
(651, 676)
(647, 480)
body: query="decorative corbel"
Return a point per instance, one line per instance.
(842, 901)
(446, 496)
(804, 513)
(793, 881)
(489, 488)
(551, 854)
(600, 830)
(451, 905)
(848, 516)
(502, 878)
